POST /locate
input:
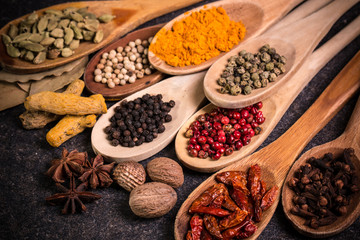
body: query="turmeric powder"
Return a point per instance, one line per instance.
(197, 38)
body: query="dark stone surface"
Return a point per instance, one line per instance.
(25, 156)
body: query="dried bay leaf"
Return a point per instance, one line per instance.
(11, 95)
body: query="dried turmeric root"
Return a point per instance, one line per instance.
(66, 103)
(39, 119)
(68, 127)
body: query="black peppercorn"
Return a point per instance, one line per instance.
(161, 129)
(114, 142)
(149, 138)
(131, 144)
(168, 118)
(171, 103)
(126, 133)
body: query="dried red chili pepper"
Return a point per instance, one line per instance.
(248, 230)
(237, 179)
(189, 235)
(196, 224)
(257, 208)
(230, 233)
(205, 235)
(210, 210)
(241, 199)
(233, 219)
(211, 224)
(263, 187)
(269, 198)
(217, 202)
(254, 180)
(228, 203)
(208, 196)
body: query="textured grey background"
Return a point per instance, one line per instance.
(25, 156)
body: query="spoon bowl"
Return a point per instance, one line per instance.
(119, 92)
(128, 15)
(187, 93)
(282, 152)
(350, 138)
(295, 41)
(257, 16)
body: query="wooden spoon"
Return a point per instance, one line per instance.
(129, 14)
(295, 42)
(275, 159)
(187, 93)
(256, 15)
(274, 106)
(349, 139)
(119, 92)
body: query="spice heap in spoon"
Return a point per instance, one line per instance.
(125, 64)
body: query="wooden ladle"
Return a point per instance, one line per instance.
(274, 106)
(256, 15)
(188, 95)
(295, 41)
(128, 15)
(349, 139)
(275, 159)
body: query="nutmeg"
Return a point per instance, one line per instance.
(153, 199)
(129, 175)
(165, 170)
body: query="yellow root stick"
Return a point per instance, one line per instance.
(68, 127)
(66, 103)
(38, 119)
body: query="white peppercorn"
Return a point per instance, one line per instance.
(108, 69)
(104, 80)
(139, 74)
(127, 48)
(122, 82)
(98, 78)
(138, 41)
(132, 57)
(126, 77)
(117, 71)
(105, 55)
(103, 61)
(132, 79)
(147, 71)
(116, 81)
(131, 44)
(97, 72)
(120, 76)
(114, 60)
(138, 66)
(119, 49)
(108, 75)
(111, 84)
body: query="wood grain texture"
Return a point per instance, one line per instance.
(295, 41)
(274, 106)
(188, 95)
(256, 15)
(119, 92)
(276, 158)
(129, 14)
(349, 139)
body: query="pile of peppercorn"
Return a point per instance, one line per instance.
(246, 71)
(222, 131)
(139, 120)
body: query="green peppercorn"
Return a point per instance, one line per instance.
(237, 79)
(264, 82)
(255, 76)
(281, 67)
(265, 48)
(221, 81)
(269, 66)
(241, 70)
(264, 75)
(247, 65)
(245, 76)
(272, 77)
(257, 84)
(247, 89)
(235, 90)
(276, 71)
(242, 53)
(240, 61)
(265, 57)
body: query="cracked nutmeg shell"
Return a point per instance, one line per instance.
(129, 175)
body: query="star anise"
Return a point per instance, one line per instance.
(72, 197)
(97, 173)
(70, 164)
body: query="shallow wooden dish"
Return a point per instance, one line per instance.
(256, 15)
(119, 92)
(128, 15)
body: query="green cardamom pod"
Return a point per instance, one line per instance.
(80, 25)
(31, 19)
(36, 37)
(24, 28)
(40, 57)
(42, 24)
(34, 28)
(83, 10)
(77, 32)
(59, 43)
(34, 47)
(29, 56)
(47, 41)
(66, 52)
(52, 24)
(64, 23)
(98, 36)
(89, 15)
(74, 44)
(91, 24)
(6, 39)
(53, 53)
(21, 37)
(76, 16)
(69, 36)
(88, 35)
(23, 53)
(13, 31)
(69, 10)
(54, 12)
(23, 43)
(106, 18)
(57, 32)
(12, 51)
(72, 23)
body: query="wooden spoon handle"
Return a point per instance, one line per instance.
(308, 32)
(299, 13)
(352, 131)
(334, 97)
